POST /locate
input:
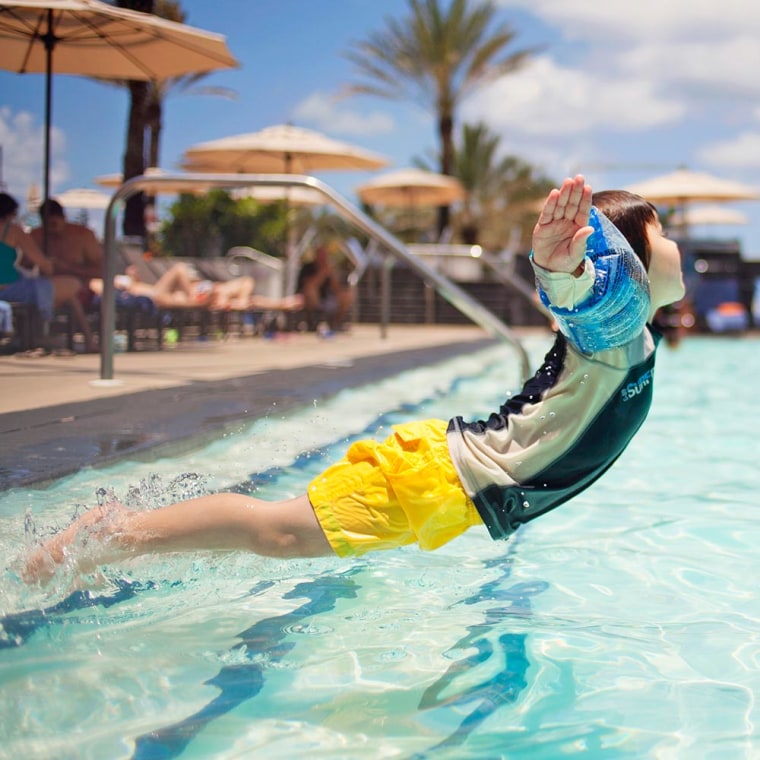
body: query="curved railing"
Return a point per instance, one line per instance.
(188, 182)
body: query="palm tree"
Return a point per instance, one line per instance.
(501, 192)
(154, 110)
(437, 56)
(134, 153)
(160, 90)
(475, 166)
(146, 114)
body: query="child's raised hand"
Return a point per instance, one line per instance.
(559, 237)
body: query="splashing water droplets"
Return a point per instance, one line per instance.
(30, 529)
(105, 496)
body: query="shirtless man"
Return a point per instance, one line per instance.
(76, 252)
(73, 247)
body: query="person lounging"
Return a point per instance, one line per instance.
(603, 267)
(181, 287)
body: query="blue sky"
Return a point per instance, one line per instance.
(620, 91)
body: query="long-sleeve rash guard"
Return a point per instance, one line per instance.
(567, 426)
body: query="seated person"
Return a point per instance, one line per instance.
(76, 252)
(73, 247)
(6, 319)
(47, 291)
(323, 292)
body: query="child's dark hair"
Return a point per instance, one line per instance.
(631, 214)
(8, 205)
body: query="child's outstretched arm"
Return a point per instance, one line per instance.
(559, 237)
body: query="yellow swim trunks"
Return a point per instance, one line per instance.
(391, 493)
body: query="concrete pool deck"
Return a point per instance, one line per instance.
(56, 417)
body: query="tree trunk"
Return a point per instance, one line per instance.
(134, 159)
(134, 154)
(445, 132)
(153, 120)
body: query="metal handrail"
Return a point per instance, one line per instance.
(457, 297)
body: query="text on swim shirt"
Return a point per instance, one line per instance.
(633, 389)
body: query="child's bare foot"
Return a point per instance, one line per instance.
(99, 523)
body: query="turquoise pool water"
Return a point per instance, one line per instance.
(623, 625)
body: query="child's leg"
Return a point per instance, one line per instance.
(225, 521)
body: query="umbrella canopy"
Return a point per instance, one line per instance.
(90, 38)
(295, 196)
(280, 149)
(411, 188)
(117, 180)
(712, 214)
(83, 198)
(684, 185)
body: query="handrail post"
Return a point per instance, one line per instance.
(108, 295)
(461, 300)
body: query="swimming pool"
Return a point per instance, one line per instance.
(625, 624)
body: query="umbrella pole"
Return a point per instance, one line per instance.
(49, 40)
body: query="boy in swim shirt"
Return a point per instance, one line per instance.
(432, 480)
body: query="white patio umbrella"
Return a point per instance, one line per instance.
(411, 188)
(708, 215)
(117, 180)
(92, 39)
(683, 185)
(83, 198)
(295, 196)
(279, 149)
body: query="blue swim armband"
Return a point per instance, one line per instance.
(616, 308)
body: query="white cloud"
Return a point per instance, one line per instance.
(547, 99)
(613, 21)
(323, 111)
(690, 49)
(742, 152)
(22, 141)
(722, 67)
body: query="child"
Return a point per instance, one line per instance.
(431, 480)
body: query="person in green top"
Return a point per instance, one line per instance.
(44, 290)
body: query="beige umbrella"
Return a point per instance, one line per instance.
(295, 196)
(93, 39)
(684, 186)
(411, 188)
(117, 180)
(280, 149)
(710, 215)
(83, 198)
